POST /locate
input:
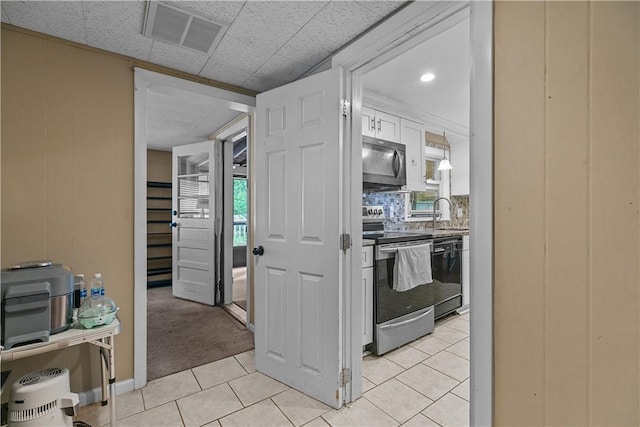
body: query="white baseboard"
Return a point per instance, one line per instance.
(463, 309)
(95, 395)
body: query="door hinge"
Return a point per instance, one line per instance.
(346, 107)
(345, 242)
(345, 377)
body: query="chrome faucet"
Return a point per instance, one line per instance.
(435, 202)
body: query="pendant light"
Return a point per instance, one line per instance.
(444, 165)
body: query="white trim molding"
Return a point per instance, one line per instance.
(481, 213)
(143, 80)
(94, 395)
(411, 26)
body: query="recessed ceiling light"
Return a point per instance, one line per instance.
(427, 77)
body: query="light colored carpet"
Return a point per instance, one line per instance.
(183, 334)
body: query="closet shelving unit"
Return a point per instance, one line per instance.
(159, 260)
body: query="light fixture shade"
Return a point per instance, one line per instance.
(444, 165)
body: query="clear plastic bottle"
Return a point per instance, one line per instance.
(97, 286)
(98, 309)
(83, 288)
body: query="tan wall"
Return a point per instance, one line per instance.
(158, 165)
(567, 113)
(67, 177)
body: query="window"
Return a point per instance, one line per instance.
(419, 204)
(239, 212)
(431, 172)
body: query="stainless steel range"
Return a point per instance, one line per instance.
(401, 317)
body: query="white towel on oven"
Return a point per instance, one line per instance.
(412, 267)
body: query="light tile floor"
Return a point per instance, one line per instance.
(424, 383)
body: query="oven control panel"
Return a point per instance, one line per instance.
(373, 212)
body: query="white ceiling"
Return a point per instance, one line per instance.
(269, 43)
(446, 98)
(176, 117)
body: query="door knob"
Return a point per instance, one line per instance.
(258, 251)
(173, 224)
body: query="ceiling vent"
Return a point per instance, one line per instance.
(182, 27)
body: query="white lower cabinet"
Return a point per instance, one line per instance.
(367, 295)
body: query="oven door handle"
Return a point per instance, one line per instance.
(389, 250)
(406, 322)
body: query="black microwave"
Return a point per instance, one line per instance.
(383, 165)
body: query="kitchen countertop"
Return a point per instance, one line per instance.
(452, 232)
(437, 233)
(397, 236)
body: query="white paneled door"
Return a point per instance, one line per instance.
(193, 222)
(297, 271)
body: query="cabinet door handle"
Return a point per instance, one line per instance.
(373, 124)
(379, 125)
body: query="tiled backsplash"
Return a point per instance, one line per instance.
(394, 207)
(461, 202)
(393, 204)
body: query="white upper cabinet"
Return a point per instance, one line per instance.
(368, 122)
(460, 162)
(412, 136)
(387, 127)
(380, 125)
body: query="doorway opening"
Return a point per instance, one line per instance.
(183, 271)
(421, 100)
(240, 215)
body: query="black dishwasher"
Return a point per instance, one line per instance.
(446, 268)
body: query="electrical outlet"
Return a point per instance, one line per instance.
(460, 213)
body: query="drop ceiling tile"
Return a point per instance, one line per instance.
(340, 21)
(260, 31)
(134, 45)
(230, 73)
(177, 57)
(234, 61)
(381, 8)
(235, 50)
(60, 19)
(125, 15)
(260, 84)
(281, 69)
(3, 16)
(218, 10)
(308, 48)
(117, 26)
(43, 8)
(294, 12)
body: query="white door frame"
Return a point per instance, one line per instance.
(411, 26)
(227, 131)
(143, 80)
(404, 30)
